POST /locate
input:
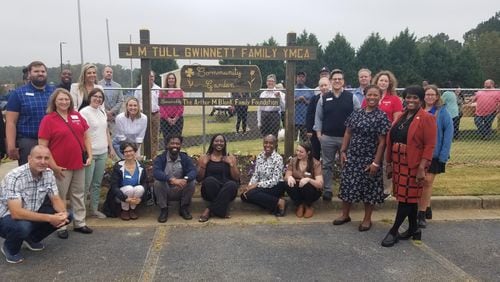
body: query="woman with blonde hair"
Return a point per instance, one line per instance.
(434, 106)
(130, 126)
(392, 106)
(65, 132)
(81, 89)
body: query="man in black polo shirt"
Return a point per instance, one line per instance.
(332, 111)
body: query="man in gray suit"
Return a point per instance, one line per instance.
(114, 97)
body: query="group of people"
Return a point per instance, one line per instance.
(73, 130)
(382, 146)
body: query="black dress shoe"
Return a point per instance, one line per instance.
(428, 213)
(422, 223)
(362, 228)
(63, 234)
(389, 240)
(163, 215)
(342, 221)
(84, 229)
(184, 213)
(282, 212)
(416, 235)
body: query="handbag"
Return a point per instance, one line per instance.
(85, 155)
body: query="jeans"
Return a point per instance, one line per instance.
(483, 124)
(16, 231)
(93, 178)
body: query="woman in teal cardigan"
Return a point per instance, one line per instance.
(434, 105)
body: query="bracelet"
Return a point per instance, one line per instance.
(375, 164)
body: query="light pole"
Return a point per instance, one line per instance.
(60, 53)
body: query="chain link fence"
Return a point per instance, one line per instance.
(240, 126)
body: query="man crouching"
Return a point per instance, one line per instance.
(30, 206)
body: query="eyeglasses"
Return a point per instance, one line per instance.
(337, 79)
(128, 151)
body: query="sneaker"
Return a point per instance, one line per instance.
(98, 214)
(17, 258)
(34, 246)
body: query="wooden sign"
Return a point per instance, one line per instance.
(160, 51)
(227, 78)
(219, 101)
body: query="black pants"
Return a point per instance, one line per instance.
(456, 126)
(315, 146)
(302, 195)
(241, 117)
(264, 197)
(219, 194)
(270, 123)
(167, 129)
(301, 130)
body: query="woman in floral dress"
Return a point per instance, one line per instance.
(361, 157)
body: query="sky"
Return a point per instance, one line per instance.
(32, 30)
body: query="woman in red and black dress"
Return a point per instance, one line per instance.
(410, 145)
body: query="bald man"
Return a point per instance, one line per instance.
(30, 206)
(487, 108)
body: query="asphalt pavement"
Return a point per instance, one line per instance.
(450, 250)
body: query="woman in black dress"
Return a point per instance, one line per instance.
(219, 177)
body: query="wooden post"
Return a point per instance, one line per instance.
(146, 93)
(291, 40)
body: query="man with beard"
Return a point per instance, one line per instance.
(25, 109)
(66, 79)
(174, 174)
(114, 97)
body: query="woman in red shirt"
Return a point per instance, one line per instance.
(172, 121)
(65, 132)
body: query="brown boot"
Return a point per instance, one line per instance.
(125, 215)
(309, 212)
(133, 215)
(300, 211)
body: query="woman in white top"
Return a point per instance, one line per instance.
(101, 142)
(130, 126)
(86, 82)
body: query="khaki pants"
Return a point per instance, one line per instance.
(72, 186)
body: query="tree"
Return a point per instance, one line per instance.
(311, 67)
(437, 63)
(162, 66)
(340, 54)
(404, 59)
(492, 24)
(467, 71)
(373, 53)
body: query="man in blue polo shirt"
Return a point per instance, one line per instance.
(26, 108)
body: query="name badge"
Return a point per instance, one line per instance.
(29, 94)
(128, 176)
(74, 117)
(329, 99)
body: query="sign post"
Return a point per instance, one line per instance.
(222, 80)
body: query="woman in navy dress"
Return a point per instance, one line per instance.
(361, 156)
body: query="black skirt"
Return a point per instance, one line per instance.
(437, 167)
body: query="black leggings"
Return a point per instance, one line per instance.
(405, 210)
